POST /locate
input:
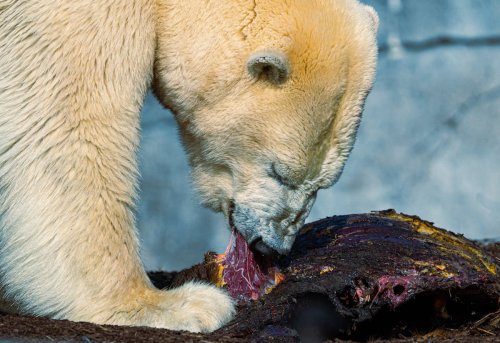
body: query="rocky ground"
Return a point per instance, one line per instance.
(381, 276)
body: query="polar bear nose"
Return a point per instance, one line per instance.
(259, 247)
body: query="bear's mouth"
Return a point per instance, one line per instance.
(264, 256)
(247, 274)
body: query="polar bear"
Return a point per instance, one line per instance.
(267, 94)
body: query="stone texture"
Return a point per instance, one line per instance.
(377, 277)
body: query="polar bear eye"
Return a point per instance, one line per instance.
(270, 66)
(277, 176)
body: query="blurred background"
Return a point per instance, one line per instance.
(429, 142)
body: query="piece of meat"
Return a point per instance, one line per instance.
(237, 270)
(243, 277)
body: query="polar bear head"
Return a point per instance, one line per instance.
(268, 96)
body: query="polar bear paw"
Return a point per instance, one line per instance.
(195, 307)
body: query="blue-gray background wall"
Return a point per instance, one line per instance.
(429, 143)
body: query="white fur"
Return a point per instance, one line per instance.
(73, 75)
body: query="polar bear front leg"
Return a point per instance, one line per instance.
(68, 242)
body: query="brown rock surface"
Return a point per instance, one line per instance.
(381, 275)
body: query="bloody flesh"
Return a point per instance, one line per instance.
(243, 277)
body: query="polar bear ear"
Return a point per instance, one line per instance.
(270, 66)
(373, 16)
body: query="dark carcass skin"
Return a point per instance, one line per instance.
(357, 276)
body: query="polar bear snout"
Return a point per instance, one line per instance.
(270, 227)
(259, 247)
